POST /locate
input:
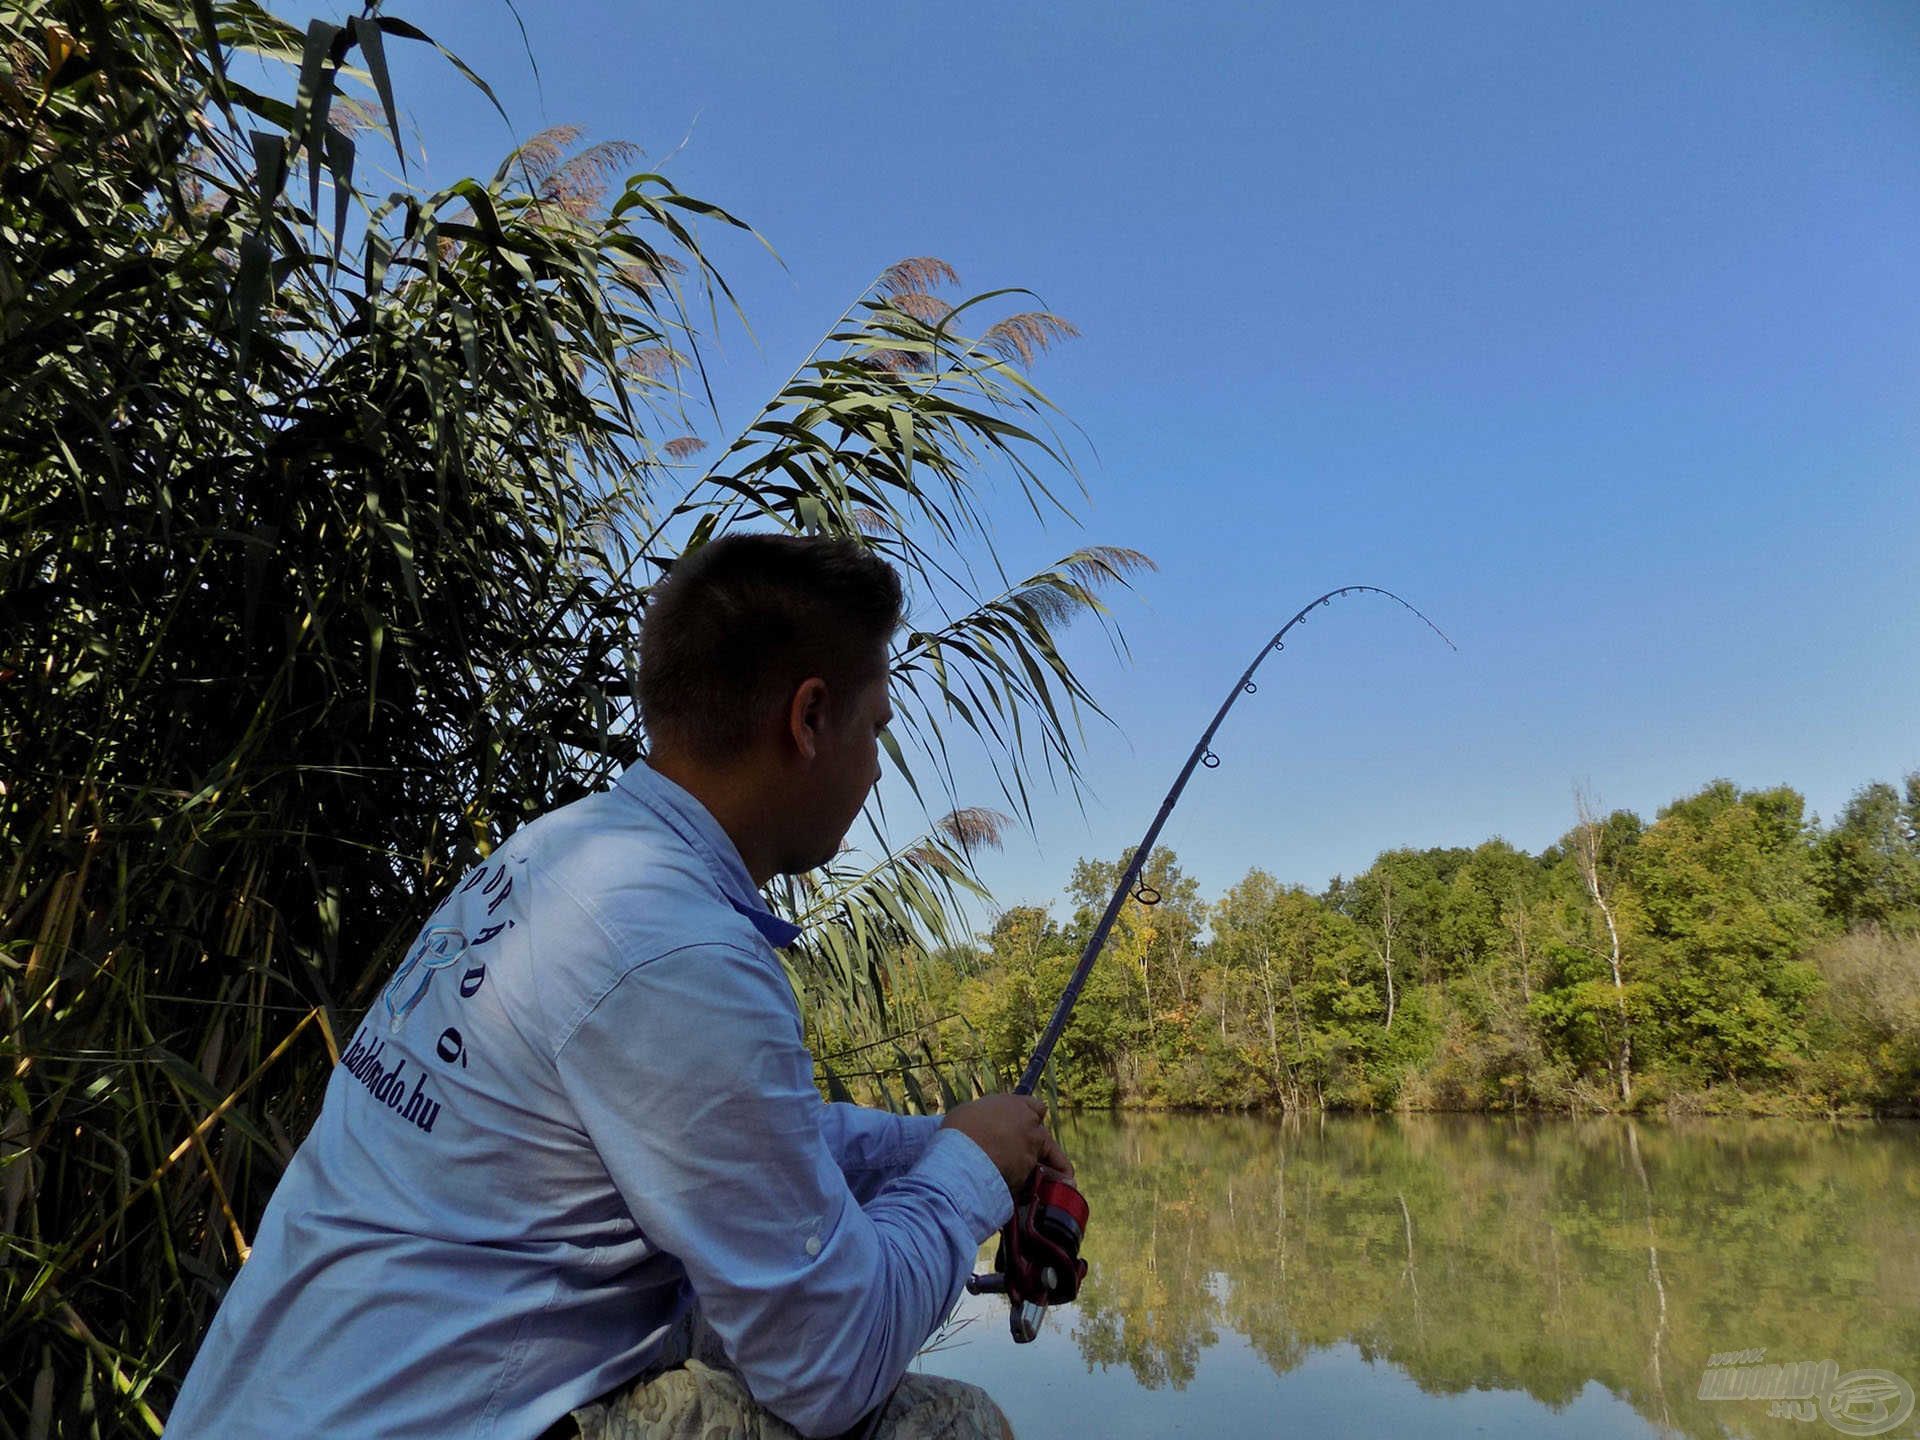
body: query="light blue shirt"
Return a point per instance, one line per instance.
(583, 1101)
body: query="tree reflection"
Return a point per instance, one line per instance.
(1518, 1255)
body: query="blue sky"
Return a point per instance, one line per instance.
(1591, 330)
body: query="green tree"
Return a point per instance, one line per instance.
(1027, 962)
(1160, 943)
(1725, 880)
(1276, 938)
(1868, 864)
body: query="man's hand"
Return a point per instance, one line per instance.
(1012, 1130)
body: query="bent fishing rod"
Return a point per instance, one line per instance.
(1038, 1264)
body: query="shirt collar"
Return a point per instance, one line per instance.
(695, 825)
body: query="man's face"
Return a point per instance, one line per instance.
(845, 769)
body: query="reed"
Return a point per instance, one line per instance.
(327, 516)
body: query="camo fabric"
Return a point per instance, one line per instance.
(698, 1401)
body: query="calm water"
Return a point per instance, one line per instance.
(1452, 1276)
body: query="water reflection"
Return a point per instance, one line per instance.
(1442, 1275)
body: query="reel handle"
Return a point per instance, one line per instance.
(1038, 1264)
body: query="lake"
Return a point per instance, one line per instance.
(1443, 1275)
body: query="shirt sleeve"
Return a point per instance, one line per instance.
(872, 1146)
(692, 1080)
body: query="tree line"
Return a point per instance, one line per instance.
(1732, 954)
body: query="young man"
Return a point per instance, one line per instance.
(584, 1105)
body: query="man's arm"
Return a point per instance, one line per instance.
(872, 1146)
(693, 1083)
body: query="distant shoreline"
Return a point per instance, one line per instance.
(1682, 1108)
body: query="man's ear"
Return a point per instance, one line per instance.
(807, 716)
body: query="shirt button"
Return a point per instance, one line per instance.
(813, 1246)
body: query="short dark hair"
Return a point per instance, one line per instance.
(742, 620)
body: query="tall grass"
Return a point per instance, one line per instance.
(326, 521)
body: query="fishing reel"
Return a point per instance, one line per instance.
(1038, 1263)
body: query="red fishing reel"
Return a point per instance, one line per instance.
(1038, 1263)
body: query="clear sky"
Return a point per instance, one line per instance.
(1594, 331)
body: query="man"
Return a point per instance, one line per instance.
(584, 1104)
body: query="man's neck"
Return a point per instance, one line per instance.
(732, 800)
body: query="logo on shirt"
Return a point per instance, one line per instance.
(389, 1086)
(441, 946)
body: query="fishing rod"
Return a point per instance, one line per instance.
(1038, 1263)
